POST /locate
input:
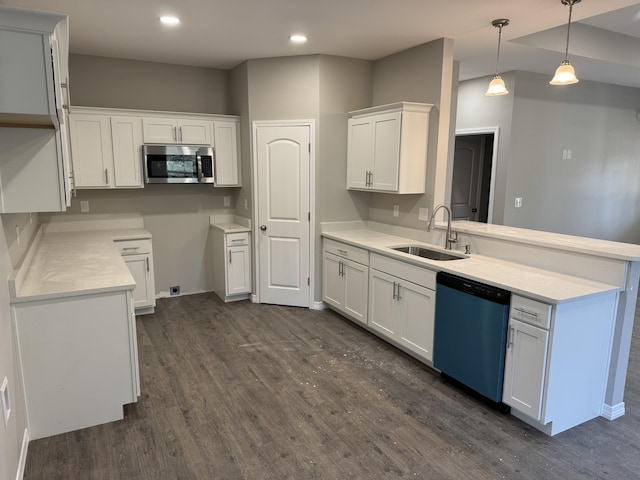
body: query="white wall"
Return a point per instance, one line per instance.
(593, 194)
(11, 250)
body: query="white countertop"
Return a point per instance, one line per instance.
(535, 283)
(69, 263)
(230, 223)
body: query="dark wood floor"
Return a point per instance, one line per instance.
(244, 391)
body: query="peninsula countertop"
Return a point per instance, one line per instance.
(543, 285)
(69, 263)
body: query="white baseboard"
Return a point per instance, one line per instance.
(611, 412)
(22, 462)
(317, 306)
(254, 298)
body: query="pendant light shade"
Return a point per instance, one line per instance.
(565, 74)
(497, 86)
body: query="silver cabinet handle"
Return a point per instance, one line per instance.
(106, 176)
(180, 137)
(230, 256)
(339, 269)
(343, 252)
(130, 249)
(398, 296)
(510, 343)
(148, 264)
(394, 290)
(175, 136)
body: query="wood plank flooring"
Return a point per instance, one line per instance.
(245, 391)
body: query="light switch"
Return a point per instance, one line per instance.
(396, 211)
(518, 202)
(227, 201)
(84, 206)
(423, 214)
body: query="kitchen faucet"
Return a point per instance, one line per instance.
(452, 237)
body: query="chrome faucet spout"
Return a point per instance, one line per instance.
(450, 239)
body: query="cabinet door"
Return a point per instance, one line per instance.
(383, 308)
(194, 132)
(126, 137)
(225, 139)
(525, 367)
(159, 130)
(238, 270)
(91, 150)
(386, 151)
(360, 153)
(140, 268)
(417, 320)
(356, 290)
(332, 281)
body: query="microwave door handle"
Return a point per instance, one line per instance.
(199, 166)
(214, 166)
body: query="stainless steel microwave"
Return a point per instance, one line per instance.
(178, 164)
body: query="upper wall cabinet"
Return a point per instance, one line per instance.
(106, 144)
(180, 131)
(29, 80)
(35, 173)
(106, 149)
(387, 148)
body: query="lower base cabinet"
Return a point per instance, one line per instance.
(231, 264)
(402, 305)
(346, 279)
(78, 360)
(138, 255)
(556, 362)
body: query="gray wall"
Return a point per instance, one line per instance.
(120, 83)
(476, 110)
(176, 215)
(11, 250)
(421, 74)
(593, 194)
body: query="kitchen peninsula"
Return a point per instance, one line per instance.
(585, 287)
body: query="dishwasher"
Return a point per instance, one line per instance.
(470, 333)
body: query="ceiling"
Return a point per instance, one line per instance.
(605, 40)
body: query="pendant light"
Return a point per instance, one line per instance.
(497, 86)
(565, 74)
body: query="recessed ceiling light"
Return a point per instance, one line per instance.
(169, 20)
(297, 38)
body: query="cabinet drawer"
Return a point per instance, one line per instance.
(133, 247)
(344, 250)
(234, 239)
(412, 273)
(530, 311)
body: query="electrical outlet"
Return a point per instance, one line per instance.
(518, 202)
(227, 201)
(175, 290)
(84, 206)
(396, 211)
(423, 214)
(6, 401)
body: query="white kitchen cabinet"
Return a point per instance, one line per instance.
(345, 280)
(231, 264)
(185, 131)
(402, 305)
(78, 360)
(34, 162)
(557, 360)
(387, 148)
(106, 149)
(138, 255)
(227, 153)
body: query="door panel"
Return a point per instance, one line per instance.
(386, 152)
(382, 304)
(466, 168)
(283, 156)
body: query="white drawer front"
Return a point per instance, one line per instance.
(412, 273)
(234, 239)
(530, 311)
(346, 251)
(133, 247)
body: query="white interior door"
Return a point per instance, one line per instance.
(283, 234)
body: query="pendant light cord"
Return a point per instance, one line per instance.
(498, 54)
(566, 50)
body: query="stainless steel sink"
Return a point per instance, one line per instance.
(423, 252)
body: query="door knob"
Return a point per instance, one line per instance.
(474, 210)
(263, 227)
